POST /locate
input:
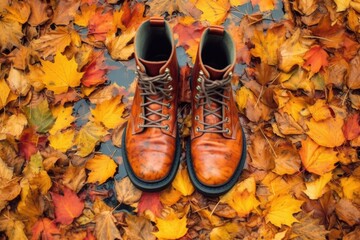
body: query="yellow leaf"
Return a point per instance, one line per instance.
(224, 232)
(105, 228)
(18, 82)
(14, 126)
(342, 5)
(61, 74)
(242, 197)
(281, 209)
(264, 5)
(280, 235)
(13, 30)
(266, 46)
(214, 11)
(109, 112)
(316, 189)
(4, 93)
(350, 187)
(327, 133)
(42, 181)
(102, 167)
(182, 182)
(18, 11)
(170, 196)
(171, 227)
(62, 141)
(13, 228)
(63, 119)
(235, 3)
(320, 111)
(5, 171)
(31, 204)
(294, 107)
(291, 52)
(74, 178)
(317, 159)
(87, 11)
(88, 137)
(121, 47)
(287, 160)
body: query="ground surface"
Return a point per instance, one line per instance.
(67, 74)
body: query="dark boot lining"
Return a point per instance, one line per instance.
(215, 53)
(157, 46)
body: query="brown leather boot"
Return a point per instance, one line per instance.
(151, 145)
(216, 149)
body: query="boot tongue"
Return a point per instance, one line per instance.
(152, 67)
(215, 74)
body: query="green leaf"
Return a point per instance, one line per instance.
(40, 116)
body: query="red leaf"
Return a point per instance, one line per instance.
(89, 236)
(95, 70)
(29, 142)
(150, 201)
(133, 14)
(45, 228)
(316, 57)
(67, 206)
(101, 24)
(351, 128)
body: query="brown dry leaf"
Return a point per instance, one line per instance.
(299, 78)
(317, 159)
(139, 228)
(186, 7)
(287, 159)
(18, 82)
(18, 11)
(126, 192)
(260, 153)
(39, 13)
(105, 227)
(74, 178)
(286, 124)
(354, 73)
(65, 11)
(13, 227)
(338, 70)
(13, 33)
(308, 228)
(348, 212)
(327, 133)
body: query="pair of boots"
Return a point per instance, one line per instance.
(215, 152)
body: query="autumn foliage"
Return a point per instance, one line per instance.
(62, 116)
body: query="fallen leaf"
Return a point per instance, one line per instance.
(122, 47)
(170, 196)
(171, 227)
(87, 138)
(182, 182)
(139, 228)
(39, 116)
(105, 227)
(109, 112)
(87, 12)
(61, 74)
(213, 11)
(350, 187)
(39, 13)
(242, 197)
(44, 228)
(351, 127)
(5, 91)
(63, 120)
(150, 201)
(102, 167)
(281, 209)
(186, 7)
(18, 11)
(101, 25)
(320, 110)
(126, 192)
(348, 212)
(67, 206)
(14, 33)
(309, 227)
(342, 5)
(316, 189)
(316, 58)
(18, 82)
(225, 232)
(65, 11)
(5, 171)
(14, 125)
(62, 140)
(95, 70)
(74, 178)
(317, 159)
(327, 133)
(287, 160)
(14, 228)
(260, 153)
(264, 5)
(31, 204)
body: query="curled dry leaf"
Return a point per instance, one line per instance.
(126, 192)
(105, 227)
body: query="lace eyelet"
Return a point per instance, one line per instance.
(169, 78)
(167, 117)
(139, 125)
(197, 129)
(196, 118)
(227, 119)
(169, 97)
(201, 73)
(167, 70)
(230, 74)
(138, 67)
(198, 88)
(199, 80)
(167, 127)
(170, 87)
(197, 96)
(168, 105)
(228, 131)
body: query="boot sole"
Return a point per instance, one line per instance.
(214, 190)
(151, 186)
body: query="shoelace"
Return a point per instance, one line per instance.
(212, 91)
(150, 87)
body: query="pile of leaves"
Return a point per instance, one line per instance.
(296, 87)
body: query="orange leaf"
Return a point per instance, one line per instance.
(150, 201)
(101, 24)
(316, 58)
(95, 70)
(351, 127)
(264, 5)
(45, 228)
(67, 206)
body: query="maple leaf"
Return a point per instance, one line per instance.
(18, 11)
(122, 47)
(227, 231)
(38, 12)
(351, 127)
(126, 192)
(14, 126)
(18, 82)
(264, 5)
(105, 227)
(316, 189)
(109, 112)
(139, 228)
(74, 178)
(350, 187)
(131, 14)
(150, 201)
(281, 209)
(327, 133)
(214, 12)
(101, 24)
(317, 159)
(55, 41)
(61, 74)
(88, 136)
(287, 160)
(12, 226)
(67, 206)
(170, 196)
(292, 52)
(62, 140)
(87, 12)
(316, 58)
(63, 119)
(320, 110)
(44, 228)
(39, 116)
(182, 182)
(187, 7)
(65, 11)
(5, 91)
(348, 212)
(242, 197)
(102, 167)
(13, 33)
(309, 228)
(171, 227)
(95, 71)
(266, 47)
